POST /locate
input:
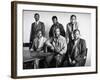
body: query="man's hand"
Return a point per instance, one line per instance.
(31, 50)
(57, 50)
(84, 57)
(73, 61)
(70, 60)
(52, 47)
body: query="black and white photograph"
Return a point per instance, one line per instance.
(55, 39)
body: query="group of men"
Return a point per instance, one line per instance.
(68, 48)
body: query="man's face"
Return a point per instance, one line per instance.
(39, 34)
(54, 21)
(57, 32)
(36, 17)
(76, 35)
(73, 19)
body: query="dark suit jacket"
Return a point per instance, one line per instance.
(53, 27)
(34, 29)
(81, 46)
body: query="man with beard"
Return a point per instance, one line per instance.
(58, 46)
(77, 50)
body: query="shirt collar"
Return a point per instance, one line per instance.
(57, 38)
(40, 38)
(37, 22)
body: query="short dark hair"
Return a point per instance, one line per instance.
(73, 16)
(76, 31)
(36, 14)
(54, 17)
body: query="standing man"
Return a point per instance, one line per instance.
(37, 25)
(53, 27)
(58, 45)
(71, 26)
(78, 50)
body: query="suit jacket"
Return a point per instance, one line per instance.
(53, 27)
(34, 28)
(39, 43)
(69, 30)
(60, 44)
(78, 51)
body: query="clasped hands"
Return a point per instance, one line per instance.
(72, 61)
(57, 50)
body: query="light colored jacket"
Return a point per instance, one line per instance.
(59, 43)
(39, 43)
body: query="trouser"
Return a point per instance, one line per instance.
(79, 63)
(58, 60)
(49, 60)
(54, 60)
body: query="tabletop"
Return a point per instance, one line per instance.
(31, 55)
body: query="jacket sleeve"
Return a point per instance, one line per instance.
(31, 36)
(62, 30)
(51, 32)
(64, 48)
(67, 33)
(77, 25)
(43, 29)
(83, 52)
(83, 47)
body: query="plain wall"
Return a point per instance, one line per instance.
(83, 19)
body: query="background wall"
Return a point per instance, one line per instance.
(83, 19)
(5, 40)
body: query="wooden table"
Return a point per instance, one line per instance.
(34, 56)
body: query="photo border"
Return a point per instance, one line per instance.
(14, 37)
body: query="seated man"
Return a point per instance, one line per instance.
(77, 50)
(57, 45)
(39, 42)
(38, 46)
